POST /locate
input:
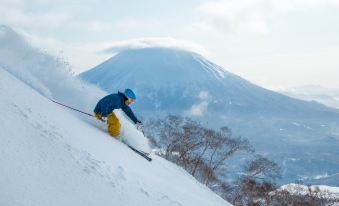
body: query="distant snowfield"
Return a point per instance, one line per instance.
(50, 155)
(323, 190)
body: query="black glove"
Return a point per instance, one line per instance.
(139, 126)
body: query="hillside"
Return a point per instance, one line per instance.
(49, 156)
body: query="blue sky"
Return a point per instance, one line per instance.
(273, 43)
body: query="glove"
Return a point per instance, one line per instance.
(139, 126)
(99, 117)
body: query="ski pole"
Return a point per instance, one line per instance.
(72, 108)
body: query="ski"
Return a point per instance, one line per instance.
(141, 153)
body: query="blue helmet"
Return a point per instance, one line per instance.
(130, 94)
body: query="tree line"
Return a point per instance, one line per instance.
(203, 152)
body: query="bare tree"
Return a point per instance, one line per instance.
(166, 133)
(200, 150)
(257, 182)
(262, 168)
(223, 146)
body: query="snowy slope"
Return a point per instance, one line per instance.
(50, 156)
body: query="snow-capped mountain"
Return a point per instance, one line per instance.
(326, 96)
(168, 79)
(50, 155)
(301, 136)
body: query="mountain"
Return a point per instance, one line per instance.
(301, 136)
(172, 79)
(50, 155)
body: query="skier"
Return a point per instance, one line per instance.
(107, 104)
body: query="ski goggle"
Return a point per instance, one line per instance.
(130, 100)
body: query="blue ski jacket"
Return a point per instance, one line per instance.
(114, 101)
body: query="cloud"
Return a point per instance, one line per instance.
(133, 23)
(99, 26)
(237, 16)
(120, 46)
(199, 108)
(204, 95)
(22, 14)
(54, 16)
(252, 15)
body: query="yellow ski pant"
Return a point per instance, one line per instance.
(113, 125)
